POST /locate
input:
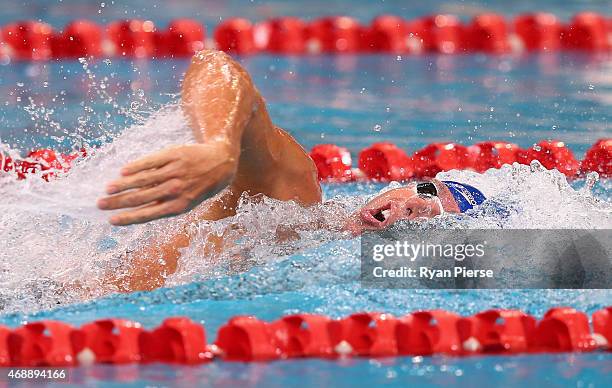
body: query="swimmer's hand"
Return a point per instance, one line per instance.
(170, 182)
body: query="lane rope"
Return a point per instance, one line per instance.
(246, 338)
(385, 161)
(31, 40)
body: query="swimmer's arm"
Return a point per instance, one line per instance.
(218, 101)
(147, 267)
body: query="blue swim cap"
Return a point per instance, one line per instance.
(466, 196)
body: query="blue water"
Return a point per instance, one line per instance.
(351, 101)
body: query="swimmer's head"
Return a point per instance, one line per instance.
(412, 202)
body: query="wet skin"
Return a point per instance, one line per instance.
(238, 150)
(401, 204)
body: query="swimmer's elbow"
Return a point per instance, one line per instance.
(218, 96)
(212, 69)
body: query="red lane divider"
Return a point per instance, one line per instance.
(492, 154)
(586, 31)
(332, 162)
(552, 154)
(498, 331)
(387, 33)
(599, 158)
(303, 335)
(364, 334)
(246, 338)
(80, 38)
(132, 38)
(236, 36)
(45, 343)
(182, 38)
(443, 34)
(387, 162)
(336, 34)
(539, 31)
(602, 324)
(5, 355)
(488, 32)
(177, 340)
(113, 341)
(564, 329)
(286, 36)
(28, 40)
(40, 160)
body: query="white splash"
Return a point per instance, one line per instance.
(57, 247)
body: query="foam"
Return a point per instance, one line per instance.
(58, 246)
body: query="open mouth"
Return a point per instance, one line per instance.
(377, 217)
(381, 214)
(380, 217)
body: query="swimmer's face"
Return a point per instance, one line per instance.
(392, 206)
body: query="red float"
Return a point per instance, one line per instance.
(385, 161)
(488, 33)
(47, 158)
(491, 154)
(176, 340)
(44, 159)
(366, 334)
(387, 33)
(586, 31)
(28, 40)
(45, 343)
(183, 38)
(563, 329)
(333, 162)
(539, 31)
(497, 331)
(287, 36)
(6, 163)
(303, 335)
(425, 333)
(133, 38)
(113, 341)
(236, 36)
(552, 154)
(80, 38)
(599, 158)
(602, 324)
(246, 338)
(5, 356)
(24, 167)
(441, 33)
(438, 157)
(337, 34)
(180, 340)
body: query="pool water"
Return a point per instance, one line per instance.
(53, 232)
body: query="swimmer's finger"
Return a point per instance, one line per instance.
(148, 213)
(143, 179)
(156, 160)
(168, 189)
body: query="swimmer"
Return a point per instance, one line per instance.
(239, 150)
